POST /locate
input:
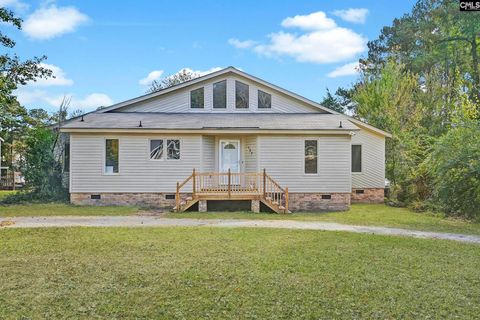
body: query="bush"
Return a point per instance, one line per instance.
(455, 169)
(42, 171)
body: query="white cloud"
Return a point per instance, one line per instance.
(321, 42)
(314, 21)
(352, 15)
(348, 69)
(152, 76)
(242, 44)
(205, 72)
(50, 22)
(15, 4)
(41, 98)
(59, 80)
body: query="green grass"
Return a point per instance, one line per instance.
(165, 273)
(5, 193)
(359, 214)
(62, 209)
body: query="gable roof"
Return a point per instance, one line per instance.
(232, 70)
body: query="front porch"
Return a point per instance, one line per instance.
(256, 187)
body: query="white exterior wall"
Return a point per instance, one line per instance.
(179, 100)
(283, 158)
(137, 173)
(373, 160)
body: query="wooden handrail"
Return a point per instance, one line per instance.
(230, 184)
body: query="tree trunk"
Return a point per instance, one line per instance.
(475, 73)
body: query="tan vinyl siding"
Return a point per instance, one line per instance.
(179, 100)
(250, 154)
(283, 158)
(373, 160)
(208, 153)
(137, 173)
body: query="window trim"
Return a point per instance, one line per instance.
(258, 100)
(248, 98)
(164, 156)
(105, 156)
(190, 100)
(361, 158)
(318, 156)
(226, 95)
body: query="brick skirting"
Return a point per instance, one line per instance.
(369, 195)
(313, 202)
(157, 200)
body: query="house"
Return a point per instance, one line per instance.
(226, 136)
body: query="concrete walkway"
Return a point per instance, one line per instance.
(150, 221)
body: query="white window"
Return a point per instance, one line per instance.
(311, 156)
(264, 100)
(220, 95)
(173, 149)
(241, 95)
(111, 156)
(356, 158)
(197, 98)
(165, 149)
(156, 149)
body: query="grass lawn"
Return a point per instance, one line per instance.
(227, 273)
(359, 214)
(62, 209)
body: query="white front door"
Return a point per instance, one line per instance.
(229, 156)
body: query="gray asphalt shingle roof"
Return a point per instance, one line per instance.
(199, 121)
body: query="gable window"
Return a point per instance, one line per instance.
(173, 149)
(196, 98)
(66, 158)
(311, 156)
(356, 158)
(241, 95)
(156, 149)
(111, 156)
(220, 94)
(264, 100)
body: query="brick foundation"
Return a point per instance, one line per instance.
(157, 200)
(369, 195)
(313, 202)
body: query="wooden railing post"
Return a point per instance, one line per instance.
(177, 198)
(194, 183)
(264, 182)
(229, 182)
(286, 199)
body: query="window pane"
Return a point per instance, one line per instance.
(196, 98)
(156, 149)
(66, 158)
(241, 95)
(356, 158)
(264, 99)
(111, 156)
(311, 156)
(220, 94)
(173, 149)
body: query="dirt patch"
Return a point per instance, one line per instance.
(6, 223)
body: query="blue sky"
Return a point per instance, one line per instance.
(101, 50)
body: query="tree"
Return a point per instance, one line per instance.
(14, 118)
(455, 169)
(331, 102)
(182, 76)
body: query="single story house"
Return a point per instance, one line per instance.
(225, 136)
